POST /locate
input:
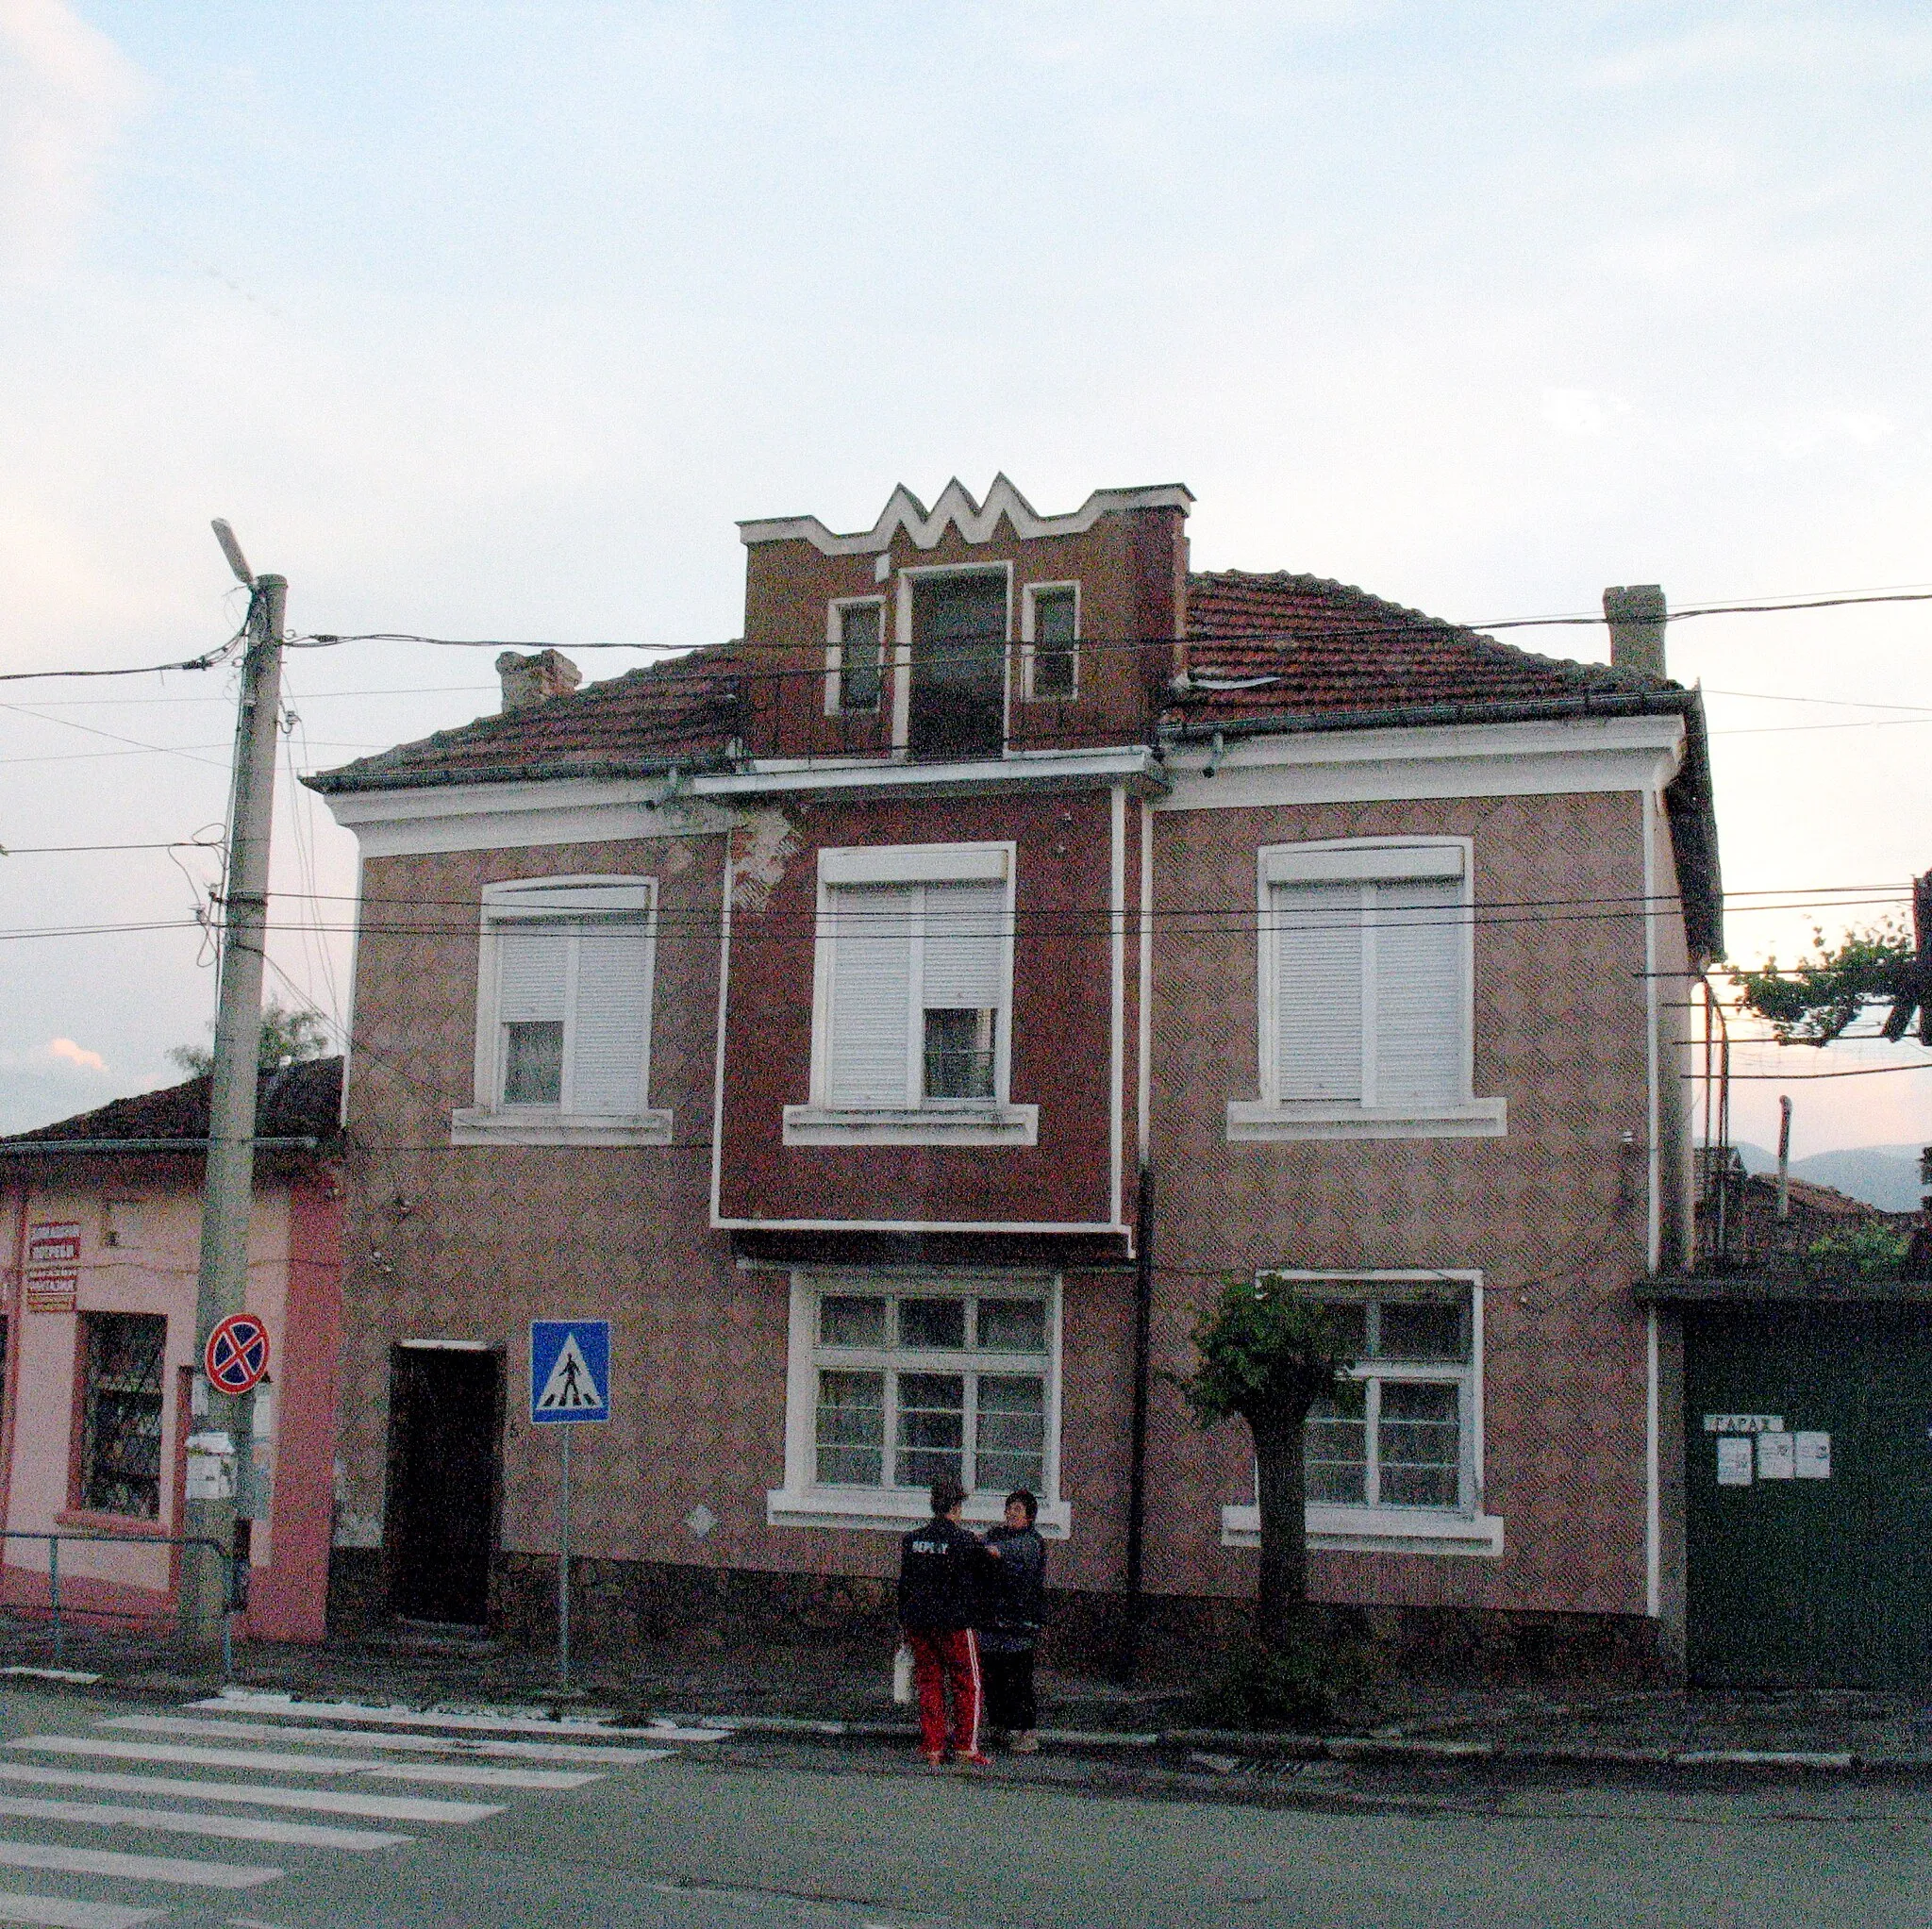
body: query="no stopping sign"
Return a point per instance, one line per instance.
(236, 1355)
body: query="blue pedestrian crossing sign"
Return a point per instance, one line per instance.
(570, 1371)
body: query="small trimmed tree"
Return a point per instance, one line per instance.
(1265, 1354)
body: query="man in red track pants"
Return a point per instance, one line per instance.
(940, 1578)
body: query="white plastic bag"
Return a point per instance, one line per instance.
(902, 1675)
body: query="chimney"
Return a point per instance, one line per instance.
(1635, 612)
(529, 680)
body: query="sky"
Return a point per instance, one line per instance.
(491, 321)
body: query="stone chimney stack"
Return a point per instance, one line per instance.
(529, 680)
(1635, 612)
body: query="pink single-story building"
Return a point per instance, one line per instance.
(100, 1232)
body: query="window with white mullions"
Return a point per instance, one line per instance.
(910, 1387)
(1407, 1447)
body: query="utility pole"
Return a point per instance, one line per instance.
(228, 1183)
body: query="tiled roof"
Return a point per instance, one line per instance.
(300, 1101)
(1298, 645)
(680, 711)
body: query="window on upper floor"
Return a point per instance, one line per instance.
(1366, 1012)
(912, 1002)
(896, 1381)
(1405, 1466)
(958, 702)
(121, 1420)
(856, 659)
(563, 1020)
(1051, 640)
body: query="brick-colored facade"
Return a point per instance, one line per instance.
(1134, 815)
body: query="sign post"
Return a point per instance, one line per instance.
(569, 1386)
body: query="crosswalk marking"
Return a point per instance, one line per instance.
(568, 1727)
(450, 1774)
(262, 1760)
(304, 1753)
(561, 1752)
(133, 1867)
(260, 1794)
(56, 1912)
(236, 1828)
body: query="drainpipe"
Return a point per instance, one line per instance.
(1136, 1452)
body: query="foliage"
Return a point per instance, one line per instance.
(291, 1035)
(1294, 1683)
(1265, 1354)
(1867, 1250)
(1812, 1002)
(1264, 1351)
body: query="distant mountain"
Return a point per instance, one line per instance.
(1874, 1173)
(1885, 1176)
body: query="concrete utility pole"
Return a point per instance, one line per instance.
(228, 1185)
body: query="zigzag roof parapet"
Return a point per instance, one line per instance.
(955, 510)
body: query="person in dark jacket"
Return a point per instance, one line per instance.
(940, 1581)
(1011, 1613)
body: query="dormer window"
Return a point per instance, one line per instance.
(1052, 636)
(855, 680)
(958, 697)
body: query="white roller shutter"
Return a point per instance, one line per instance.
(532, 964)
(1419, 997)
(871, 1022)
(965, 946)
(1318, 991)
(608, 1039)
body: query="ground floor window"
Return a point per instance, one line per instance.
(121, 1431)
(1404, 1470)
(896, 1381)
(1408, 1445)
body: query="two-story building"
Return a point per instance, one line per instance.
(899, 1021)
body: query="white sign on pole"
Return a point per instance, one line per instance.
(1734, 1460)
(1776, 1458)
(1813, 1456)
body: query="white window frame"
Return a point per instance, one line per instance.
(1027, 639)
(802, 1503)
(520, 902)
(1367, 860)
(835, 656)
(1470, 1529)
(919, 1120)
(902, 651)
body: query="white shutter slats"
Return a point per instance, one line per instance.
(1318, 992)
(870, 1025)
(532, 962)
(965, 943)
(609, 1036)
(1418, 996)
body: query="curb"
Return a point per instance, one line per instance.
(1219, 1751)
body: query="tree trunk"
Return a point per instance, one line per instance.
(1282, 1481)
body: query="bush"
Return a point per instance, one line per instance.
(1867, 1250)
(1294, 1684)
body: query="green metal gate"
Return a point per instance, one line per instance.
(1796, 1579)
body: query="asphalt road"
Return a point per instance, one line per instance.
(116, 1814)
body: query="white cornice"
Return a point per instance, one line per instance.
(955, 510)
(1433, 761)
(1133, 764)
(502, 817)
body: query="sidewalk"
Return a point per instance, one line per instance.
(833, 1695)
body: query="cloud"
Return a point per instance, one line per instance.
(75, 1054)
(1582, 411)
(65, 93)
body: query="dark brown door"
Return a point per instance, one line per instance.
(445, 1423)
